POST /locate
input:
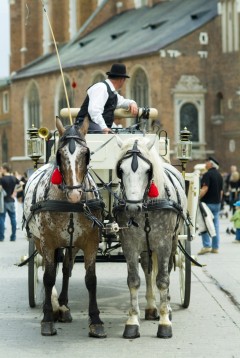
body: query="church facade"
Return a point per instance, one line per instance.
(182, 57)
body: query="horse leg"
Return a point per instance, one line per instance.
(64, 311)
(49, 278)
(151, 312)
(162, 281)
(132, 325)
(96, 326)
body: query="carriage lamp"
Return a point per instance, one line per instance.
(34, 145)
(184, 149)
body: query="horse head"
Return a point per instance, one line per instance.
(135, 169)
(72, 158)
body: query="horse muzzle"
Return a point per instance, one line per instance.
(133, 205)
(74, 196)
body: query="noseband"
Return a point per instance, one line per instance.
(135, 154)
(71, 139)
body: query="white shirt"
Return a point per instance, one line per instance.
(98, 96)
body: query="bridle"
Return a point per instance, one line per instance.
(71, 139)
(135, 154)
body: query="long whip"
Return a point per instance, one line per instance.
(55, 44)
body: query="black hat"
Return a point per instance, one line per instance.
(118, 70)
(213, 160)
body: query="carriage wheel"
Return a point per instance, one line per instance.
(184, 265)
(33, 280)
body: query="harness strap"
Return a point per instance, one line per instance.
(65, 206)
(106, 186)
(188, 256)
(70, 230)
(147, 229)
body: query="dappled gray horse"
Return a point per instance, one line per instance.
(63, 210)
(151, 209)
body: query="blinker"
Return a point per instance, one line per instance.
(153, 191)
(56, 178)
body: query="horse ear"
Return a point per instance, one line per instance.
(119, 141)
(59, 126)
(151, 141)
(85, 125)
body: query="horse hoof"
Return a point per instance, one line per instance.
(48, 329)
(65, 316)
(151, 314)
(164, 331)
(97, 331)
(131, 331)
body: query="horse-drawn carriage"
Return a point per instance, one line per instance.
(91, 185)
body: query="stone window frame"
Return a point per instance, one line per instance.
(5, 102)
(4, 145)
(142, 93)
(190, 90)
(98, 77)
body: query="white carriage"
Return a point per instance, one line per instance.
(104, 153)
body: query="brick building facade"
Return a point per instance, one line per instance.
(193, 79)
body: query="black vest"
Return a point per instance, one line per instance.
(109, 108)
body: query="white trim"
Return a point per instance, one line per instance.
(72, 18)
(20, 158)
(224, 28)
(236, 28)
(203, 38)
(46, 39)
(230, 26)
(5, 102)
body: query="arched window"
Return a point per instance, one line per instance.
(4, 148)
(139, 88)
(98, 78)
(219, 103)
(33, 104)
(189, 119)
(62, 102)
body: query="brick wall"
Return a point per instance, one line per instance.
(218, 73)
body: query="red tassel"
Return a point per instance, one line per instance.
(153, 191)
(56, 177)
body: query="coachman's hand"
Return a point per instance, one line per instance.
(133, 108)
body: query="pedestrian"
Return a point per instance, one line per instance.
(236, 220)
(8, 183)
(102, 99)
(233, 189)
(233, 183)
(211, 193)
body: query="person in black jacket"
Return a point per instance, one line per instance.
(211, 193)
(8, 182)
(102, 99)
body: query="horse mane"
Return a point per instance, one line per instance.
(152, 155)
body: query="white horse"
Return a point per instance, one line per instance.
(151, 209)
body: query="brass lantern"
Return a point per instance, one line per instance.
(34, 145)
(184, 149)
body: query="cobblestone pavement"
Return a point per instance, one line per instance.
(210, 327)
